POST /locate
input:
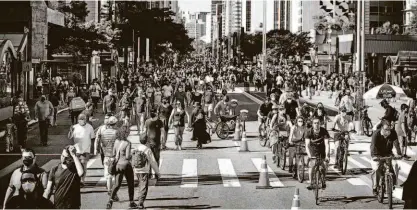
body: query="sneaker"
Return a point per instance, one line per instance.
(109, 204)
(179, 148)
(133, 205)
(115, 198)
(375, 191)
(141, 206)
(290, 170)
(310, 187)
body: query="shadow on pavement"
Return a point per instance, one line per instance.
(184, 207)
(336, 200)
(211, 179)
(171, 198)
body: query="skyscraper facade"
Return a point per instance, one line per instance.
(216, 10)
(247, 15)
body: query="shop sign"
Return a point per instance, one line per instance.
(26, 66)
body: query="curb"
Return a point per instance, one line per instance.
(30, 123)
(253, 98)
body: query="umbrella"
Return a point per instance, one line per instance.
(384, 91)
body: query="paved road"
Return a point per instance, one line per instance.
(219, 176)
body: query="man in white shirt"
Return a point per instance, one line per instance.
(347, 101)
(83, 136)
(167, 88)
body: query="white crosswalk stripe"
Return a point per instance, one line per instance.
(189, 173)
(228, 173)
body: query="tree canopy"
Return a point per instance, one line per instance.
(337, 23)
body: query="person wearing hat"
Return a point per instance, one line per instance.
(104, 144)
(83, 136)
(29, 197)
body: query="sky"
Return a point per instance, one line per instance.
(205, 6)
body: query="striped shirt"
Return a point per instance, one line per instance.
(107, 139)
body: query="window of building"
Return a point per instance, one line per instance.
(374, 10)
(374, 24)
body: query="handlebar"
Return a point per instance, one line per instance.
(386, 158)
(344, 132)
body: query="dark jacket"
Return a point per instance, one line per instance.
(381, 146)
(410, 183)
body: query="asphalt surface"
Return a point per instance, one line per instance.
(219, 176)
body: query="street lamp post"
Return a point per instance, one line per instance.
(264, 41)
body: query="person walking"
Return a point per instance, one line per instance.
(153, 130)
(54, 98)
(122, 155)
(104, 145)
(143, 160)
(21, 117)
(177, 120)
(110, 102)
(66, 179)
(164, 112)
(43, 112)
(409, 196)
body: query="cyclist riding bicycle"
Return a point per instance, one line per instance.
(264, 110)
(291, 107)
(282, 124)
(345, 124)
(382, 143)
(317, 145)
(296, 137)
(223, 109)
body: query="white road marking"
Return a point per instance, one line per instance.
(274, 180)
(358, 164)
(189, 173)
(228, 173)
(356, 181)
(237, 145)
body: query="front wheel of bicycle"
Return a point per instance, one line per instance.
(389, 190)
(317, 185)
(283, 156)
(300, 169)
(262, 136)
(345, 162)
(222, 130)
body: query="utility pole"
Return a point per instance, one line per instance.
(264, 41)
(360, 63)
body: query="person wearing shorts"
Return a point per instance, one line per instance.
(209, 100)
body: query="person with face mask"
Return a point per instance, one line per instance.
(43, 112)
(29, 165)
(382, 142)
(29, 197)
(21, 117)
(345, 124)
(109, 102)
(347, 101)
(83, 136)
(402, 129)
(296, 137)
(180, 96)
(66, 179)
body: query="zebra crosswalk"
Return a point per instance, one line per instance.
(232, 171)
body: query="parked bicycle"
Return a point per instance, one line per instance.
(386, 182)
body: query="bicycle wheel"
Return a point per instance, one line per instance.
(367, 127)
(381, 190)
(262, 136)
(278, 154)
(345, 161)
(389, 190)
(300, 169)
(283, 157)
(317, 185)
(222, 130)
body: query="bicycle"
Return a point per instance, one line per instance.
(386, 182)
(282, 152)
(343, 149)
(319, 179)
(225, 126)
(299, 166)
(366, 122)
(262, 132)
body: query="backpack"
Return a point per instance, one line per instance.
(77, 104)
(139, 159)
(395, 114)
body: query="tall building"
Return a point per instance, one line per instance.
(282, 14)
(410, 9)
(215, 16)
(378, 12)
(247, 15)
(198, 25)
(232, 16)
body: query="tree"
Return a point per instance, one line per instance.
(338, 23)
(79, 38)
(283, 42)
(252, 45)
(388, 29)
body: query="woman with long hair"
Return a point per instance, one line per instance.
(177, 120)
(122, 155)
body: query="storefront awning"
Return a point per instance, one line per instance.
(406, 59)
(6, 45)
